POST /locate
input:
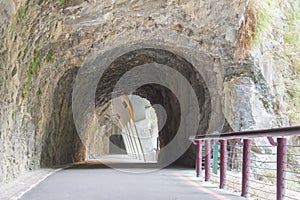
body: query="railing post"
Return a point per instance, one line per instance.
(246, 167)
(223, 163)
(199, 158)
(207, 159)
(281, 168)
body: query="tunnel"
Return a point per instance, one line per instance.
(64, 144)
(158, 94)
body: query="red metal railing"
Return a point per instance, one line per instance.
(244, 139)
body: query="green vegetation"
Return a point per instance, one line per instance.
(26, 89)
(32, 69)
(12, 27)
(69, 36)
(35, 64)
(39, 92)
(292, 36)
(49, 57)
(272, 20)
(293, 90)
(264, 15)
(61, 3)
(13, 115)
(21, 12)
(292, 55)
(30, 76)
(257, 24)
(34, 163)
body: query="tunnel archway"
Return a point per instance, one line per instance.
(158, 94)
(155, 93)
(116, 62)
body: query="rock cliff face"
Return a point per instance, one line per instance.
(44, 43)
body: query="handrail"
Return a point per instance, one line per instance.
(274, 132)
(246, 136)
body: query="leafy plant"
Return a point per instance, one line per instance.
(292, 40)
(21, 12)
(69, 36)
(257, 24)
(292, 52)
(12, 27)
(264, 21)
(30, 76)
(49, 57)
(61, 3)
(13, 114)
(27, 85)
(39, 92)
(34, 163)
(35, 64)
(293, 90)
(25, 94)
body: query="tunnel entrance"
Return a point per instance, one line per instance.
(63, 145)
(158, 94)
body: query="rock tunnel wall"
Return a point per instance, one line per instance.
(42, 42)
(62, 144)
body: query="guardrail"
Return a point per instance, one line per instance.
(244, 139)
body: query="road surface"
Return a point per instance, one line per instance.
(98, 182)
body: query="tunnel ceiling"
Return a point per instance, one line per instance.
(138, 57)
(156, 94)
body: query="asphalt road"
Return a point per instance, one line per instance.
(96, 181)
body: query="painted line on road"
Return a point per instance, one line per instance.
(35, 184)
(201, 188)
(17, 197)
(46, 176)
